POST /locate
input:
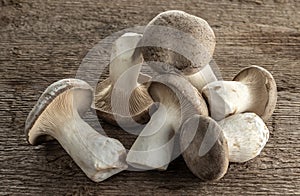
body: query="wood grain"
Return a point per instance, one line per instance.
(43, 41)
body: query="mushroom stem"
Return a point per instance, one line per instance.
(153, 148)
(126, 68)
(98, 156)
(123, 58)
(227, 97)
(202, 77)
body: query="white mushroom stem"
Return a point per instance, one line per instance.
(201, 78)
(154, 146)
(246, 135)
(122, 58)
(98, 156)
(227, 97)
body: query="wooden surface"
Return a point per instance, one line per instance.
(43, 41)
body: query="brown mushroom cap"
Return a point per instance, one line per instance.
(49, 95)
(205, 148)
(179, 41)
(139, 103)
(263, 87)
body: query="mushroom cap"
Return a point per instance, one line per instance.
(204, 147)
(246, 135)
(139, 104)
(176, 90)
(178, 40)
(263, 88)
(50, 94)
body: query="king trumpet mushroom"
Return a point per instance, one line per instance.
(178, 100)
(246, 135)
(57, 115)
(252, 90)
(122, 99)
(180, 42)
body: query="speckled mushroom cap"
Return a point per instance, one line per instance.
(263, 87)
(205, 148)
(50, 94)
(179, 41)
(175, 89)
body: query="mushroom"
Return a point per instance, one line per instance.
(175, 40)
(252, 90)
(178, 100)
(121, 99)
(204, 147)
(57, 115)
(246, 135)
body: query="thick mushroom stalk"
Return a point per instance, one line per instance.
(122, 99)
(58, 115)
(123, 58)
(203, 77)
(253, 90)
(176, 40)
(230, 97)
(246, 135)
(178, 101)
(154, 146)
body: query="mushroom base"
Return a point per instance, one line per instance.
(154, 146)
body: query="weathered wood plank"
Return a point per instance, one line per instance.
(43, 41)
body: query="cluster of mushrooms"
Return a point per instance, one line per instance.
(183, 107)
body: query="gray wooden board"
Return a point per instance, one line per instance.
(43, 41)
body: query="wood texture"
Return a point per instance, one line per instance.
(43, 41)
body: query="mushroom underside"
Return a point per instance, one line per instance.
(121, 112)
(266, 94)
